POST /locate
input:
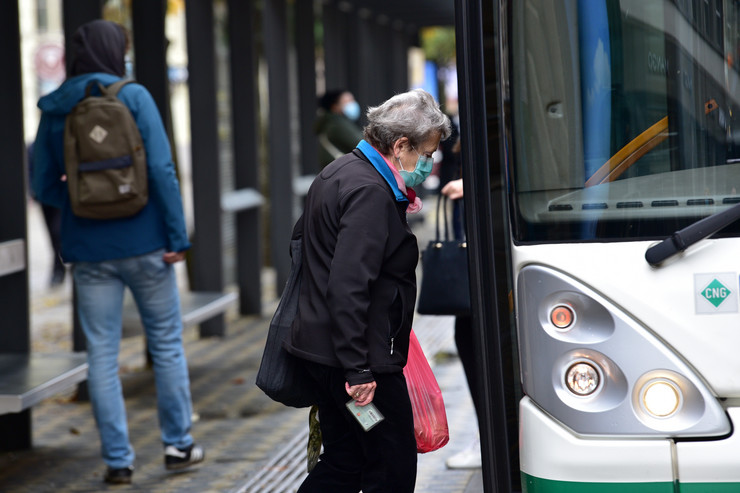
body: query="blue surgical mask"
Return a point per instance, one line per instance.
(351, 110)
(129, 66)
(422, 170)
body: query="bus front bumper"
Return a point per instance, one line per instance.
(555, 460)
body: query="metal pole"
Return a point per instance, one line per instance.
(305, 46)
(15, 336)
(74, 14)
(246, 158)
(281, 169)
(335, 47)
(150, 49)
(207, 240)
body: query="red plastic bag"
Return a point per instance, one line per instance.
(430, 419)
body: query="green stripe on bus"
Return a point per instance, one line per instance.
(710, 487)
(532, 484)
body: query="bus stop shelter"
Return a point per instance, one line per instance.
(365, 46)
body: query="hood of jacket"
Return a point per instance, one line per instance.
(62, 100)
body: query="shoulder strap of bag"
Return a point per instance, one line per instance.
(109, 90)
(112, 89)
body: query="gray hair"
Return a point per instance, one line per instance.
(413, 114)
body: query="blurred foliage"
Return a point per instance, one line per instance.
(118, 11)
(175, 6)
(438, 44)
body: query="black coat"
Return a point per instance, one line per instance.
(358, 286)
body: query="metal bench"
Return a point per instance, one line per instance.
(27, 379)
(195, 307)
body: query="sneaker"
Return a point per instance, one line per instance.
(468, 458)
(119, 476)
(175, 458)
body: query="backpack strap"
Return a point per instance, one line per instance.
(112, 89)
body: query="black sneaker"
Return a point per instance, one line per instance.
(119, 476)
(175, 458)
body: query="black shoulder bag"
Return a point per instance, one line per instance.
(281, 375)
(445, 289)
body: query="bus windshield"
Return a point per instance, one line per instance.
(625, 117)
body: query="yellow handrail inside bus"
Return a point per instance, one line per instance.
(629, 154)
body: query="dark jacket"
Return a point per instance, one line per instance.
(342, 134)
(358, 286)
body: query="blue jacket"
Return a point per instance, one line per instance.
(160, 224)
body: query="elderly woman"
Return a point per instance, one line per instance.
(358, 292)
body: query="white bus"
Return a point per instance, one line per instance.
(601, 149)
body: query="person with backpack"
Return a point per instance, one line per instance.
(120, 228)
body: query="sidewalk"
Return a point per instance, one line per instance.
(240, 428)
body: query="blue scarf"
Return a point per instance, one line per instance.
(382, 167)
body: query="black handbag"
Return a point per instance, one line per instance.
(281, 375)
(445, 289)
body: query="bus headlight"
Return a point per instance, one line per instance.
(661, 398)
(600, 372)
(582, 379)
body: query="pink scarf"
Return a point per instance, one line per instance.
(415, 204)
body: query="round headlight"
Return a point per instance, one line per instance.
(661, 397)
(582, 379)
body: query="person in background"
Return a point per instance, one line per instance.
(336, 126)
(108, 255)
(53, 221)
(470, 456)
(358, 293)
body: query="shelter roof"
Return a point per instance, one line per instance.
(418, 13)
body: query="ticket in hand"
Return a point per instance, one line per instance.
(368, 416)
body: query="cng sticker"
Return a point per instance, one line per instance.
(716, 293)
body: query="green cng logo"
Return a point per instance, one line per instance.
(716, 292)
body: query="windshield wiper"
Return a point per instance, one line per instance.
(684, 238)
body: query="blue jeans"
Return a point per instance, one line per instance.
(100, 287)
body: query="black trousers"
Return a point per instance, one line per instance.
(382, 460)
(466, 349)
(53, 220)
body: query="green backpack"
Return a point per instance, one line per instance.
(104, 156)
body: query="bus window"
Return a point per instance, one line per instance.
(625, 117)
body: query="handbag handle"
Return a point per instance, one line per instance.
(438, 239)
(440, 199)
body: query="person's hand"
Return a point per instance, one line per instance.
(173, 257)
(453, 189)
(363, 394)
